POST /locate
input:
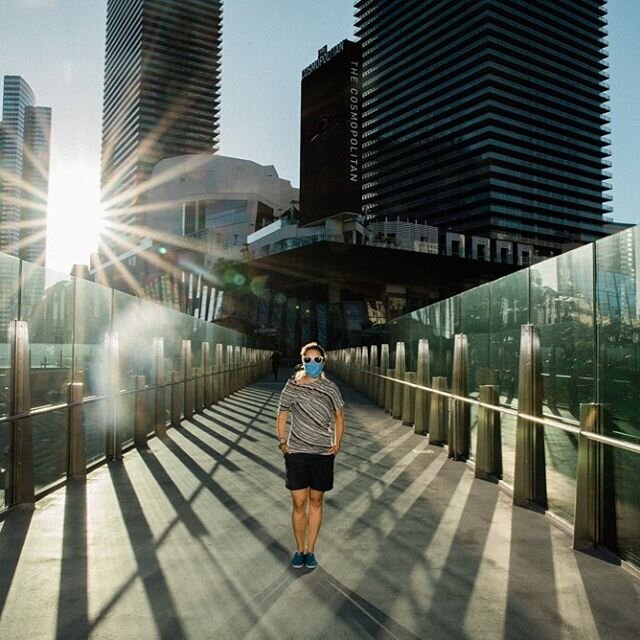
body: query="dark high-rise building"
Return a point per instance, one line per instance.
(487, 117)
(330, 179)
(161, 92)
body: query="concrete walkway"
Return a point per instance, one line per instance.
(191, 539)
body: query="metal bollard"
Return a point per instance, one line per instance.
(423, 377)
(459, 415)
(489, 441)
(398, 389)
(382, 384)
(408, 402)
(438, 412)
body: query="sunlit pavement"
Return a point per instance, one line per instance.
(191, 539)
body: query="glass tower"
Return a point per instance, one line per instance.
(24, 172)
(161, 92)
(487, 117)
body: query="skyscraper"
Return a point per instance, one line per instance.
(161, 92)
(24, 172)
(487, 116)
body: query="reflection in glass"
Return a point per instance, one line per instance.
(627, 472)
(50, 447)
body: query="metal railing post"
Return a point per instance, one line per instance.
(140, 413)
(198, 375)
(187, 372)
(595, 510)
(113, 433)
(175, 398)
(489, 442)
(421, 410)
(206, 372)
(159, 417)
(382, 384)
(408, 402)
(398, 389)
(22, 480)
(372, 389)
(77, 451)
(364, 374)
(438, 412)
(529, 483)
(459, 413)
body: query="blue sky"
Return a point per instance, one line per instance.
(58, 47)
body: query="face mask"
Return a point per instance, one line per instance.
(313, 369)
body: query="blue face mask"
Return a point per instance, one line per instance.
(313, 369)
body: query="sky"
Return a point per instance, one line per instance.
(57, 46)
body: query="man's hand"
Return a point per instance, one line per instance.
(333, 449)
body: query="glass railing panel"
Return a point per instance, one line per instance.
(47, 306)
(127, 324)
(92, 321)
(627, 490)
(475, 325)
(618, 300)
(561, 460)
(50, 447)
(563, 311)
(125, 417)
(5, 435)
(509, 303)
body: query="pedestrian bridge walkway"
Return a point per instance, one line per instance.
(191, 539)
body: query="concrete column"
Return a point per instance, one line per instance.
(408, 402)
(77, 450)
(438, 412)
(140, 414)
(595, 513)
(159, 417)
(175, 398)
(382, 384)
(529, 483)
(398, 389)
(489, 441)
(459, 416)
(423, 377)
(187, 373)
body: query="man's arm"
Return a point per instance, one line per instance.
(281, 430)
(339, 430)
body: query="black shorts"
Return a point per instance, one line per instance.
(313, 470)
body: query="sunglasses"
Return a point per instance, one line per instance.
(308, 359)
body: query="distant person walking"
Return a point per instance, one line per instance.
(276, 357)
(310, 447)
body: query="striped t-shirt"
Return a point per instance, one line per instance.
(312, 408)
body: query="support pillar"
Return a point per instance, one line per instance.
(489, 442)
(595, 513)
(423, 367)
(529, 483)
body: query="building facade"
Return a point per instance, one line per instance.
(161, 93)
(25, 133)
(330, 178)
(487, 117)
